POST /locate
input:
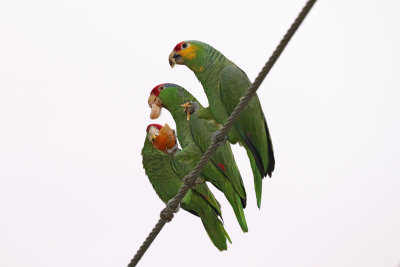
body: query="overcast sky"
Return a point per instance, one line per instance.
(74, 82)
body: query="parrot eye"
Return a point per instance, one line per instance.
(161, 88)
(184, 45)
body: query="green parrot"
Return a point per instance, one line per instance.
(165, 171)
(224, 84)
(195, 136)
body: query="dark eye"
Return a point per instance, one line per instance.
(161, 88)
(184, 45)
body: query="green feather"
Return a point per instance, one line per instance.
(200, 202)
(195, 136)
(224, 83)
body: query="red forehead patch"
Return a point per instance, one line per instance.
(156, 90)
(178, 47)
(158, 126)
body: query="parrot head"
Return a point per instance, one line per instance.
(189, 53)
(162, 137)
(190, 108)
(170, 96)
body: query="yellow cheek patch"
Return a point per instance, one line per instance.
(189, 52)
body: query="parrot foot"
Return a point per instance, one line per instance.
(164, 215)
(172, 150)
(216, 138)
(193, 186)
(169, 203)
(198, 181)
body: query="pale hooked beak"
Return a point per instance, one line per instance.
(153, 133)
(175, 58)
(171, 59)
(156, 104)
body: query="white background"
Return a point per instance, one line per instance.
(74, 82)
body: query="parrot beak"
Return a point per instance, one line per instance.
(175, 58)
(153, 133)
(171, 59)
(152, 137)
(156, 104)
(187, 107)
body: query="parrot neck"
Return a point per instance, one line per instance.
(211, 64)
(155, 157)
(182, 125)
(209, 79)
(161, 174)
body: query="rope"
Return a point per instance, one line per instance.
(166, 214)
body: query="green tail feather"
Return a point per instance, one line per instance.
(226, 233)
(215, 229)
(257, 178)
(255, 163)
(236, 204)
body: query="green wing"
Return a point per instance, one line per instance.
(167, 181)
(183, 163)
(223, 158)
(190, 155)
(251, 126)
(157, 165)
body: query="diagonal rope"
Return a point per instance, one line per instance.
(166, 214)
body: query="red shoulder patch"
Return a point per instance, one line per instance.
(221, 166)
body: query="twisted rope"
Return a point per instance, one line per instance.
(166, 214)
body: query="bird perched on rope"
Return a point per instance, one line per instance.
(165, 170)
(224, 84)
(195, 136)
